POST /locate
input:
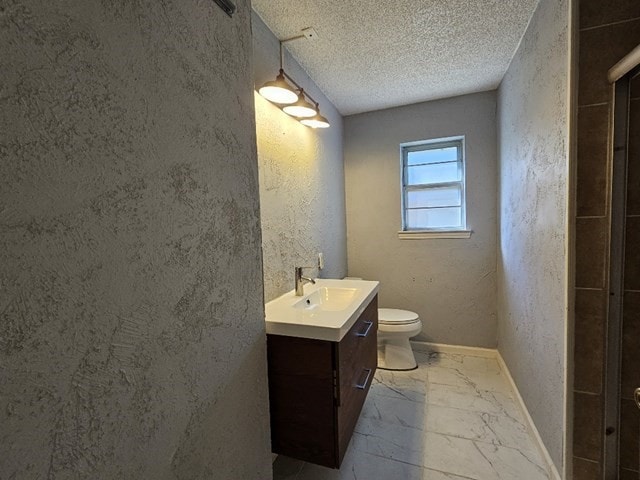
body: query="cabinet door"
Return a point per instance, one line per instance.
(301, 398)
(357, 360)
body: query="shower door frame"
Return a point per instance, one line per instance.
(619, 168)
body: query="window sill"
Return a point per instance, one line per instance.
(426, 234)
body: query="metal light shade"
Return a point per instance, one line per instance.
(301, 109)
(317, 121)
(279, 91)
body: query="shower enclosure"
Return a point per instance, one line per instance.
(622, 374)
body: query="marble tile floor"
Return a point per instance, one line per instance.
(454, 418)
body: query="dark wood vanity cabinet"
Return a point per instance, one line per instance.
(317, 389)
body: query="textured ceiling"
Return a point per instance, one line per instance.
(374, 54)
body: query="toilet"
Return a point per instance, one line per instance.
(395, 328)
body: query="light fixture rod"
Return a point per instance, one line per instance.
(290, 39)
(281, 58)
(304, 92)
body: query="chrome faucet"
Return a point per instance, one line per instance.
(300, 281)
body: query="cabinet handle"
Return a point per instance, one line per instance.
(362, 386)
(366, 330)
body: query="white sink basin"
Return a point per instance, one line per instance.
(330, 299)
(326, 312)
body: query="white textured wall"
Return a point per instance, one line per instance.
(532, 258)
(132, 337)
(450, 283)
(301, 179)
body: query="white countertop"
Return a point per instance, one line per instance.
(283, 318)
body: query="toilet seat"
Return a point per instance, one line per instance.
(393, 316)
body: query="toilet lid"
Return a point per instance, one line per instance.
(396, 317)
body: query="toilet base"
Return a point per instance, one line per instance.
(396, 354)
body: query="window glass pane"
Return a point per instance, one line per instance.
(434, 197)
(438, 173)
(434, 218)
(447, 154)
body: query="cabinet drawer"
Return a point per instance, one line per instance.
(357, 360)
(357, 345)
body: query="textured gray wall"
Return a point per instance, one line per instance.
(301, 179)
(131, 320)
(450, 283)
(532, 257)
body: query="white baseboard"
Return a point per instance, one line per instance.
(426, 347)
(553, 471)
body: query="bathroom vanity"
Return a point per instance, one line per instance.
(317, 386)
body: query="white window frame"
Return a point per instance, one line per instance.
(447, 232)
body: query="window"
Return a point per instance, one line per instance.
(433, 185)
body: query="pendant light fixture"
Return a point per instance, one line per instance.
(301, 109)
(297, 104)
(317, 121)
(279, 91)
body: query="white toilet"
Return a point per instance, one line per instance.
(395, 328)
